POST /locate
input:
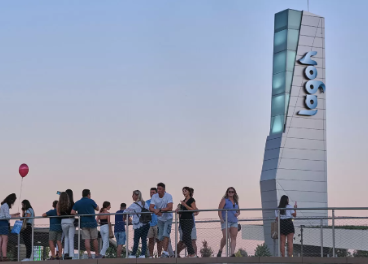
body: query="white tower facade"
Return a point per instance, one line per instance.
(295, 162)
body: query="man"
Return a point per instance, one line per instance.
(162, 202)
(119, 229)
(55, 231)
(153, 231)
(88, 223)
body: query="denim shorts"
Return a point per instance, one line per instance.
(120, 238)
(229, 224)
(164, 229)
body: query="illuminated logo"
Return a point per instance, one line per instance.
(312, 86)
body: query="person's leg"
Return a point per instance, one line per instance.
(159, 247)
(119, 248)
(137, 233)
(151, 246)
(95, 246)
(166, 233)
(71, 238)
(27, 237)
(290, 241)
(4, 245)
(104, 230)
(144, 233)
(282, 245)
(223, 239)
(194, 244)
(87, 244)
(60, 246)
(187, 227)
(118, 251)
(52, 247)
(194, 238)
(233, 234)
(65, 228)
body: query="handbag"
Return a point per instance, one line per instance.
(24, 225)
(274, 230)
(17, 227)
(111, 234)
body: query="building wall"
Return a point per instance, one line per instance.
(295, 152)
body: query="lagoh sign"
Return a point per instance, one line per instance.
(312, 86)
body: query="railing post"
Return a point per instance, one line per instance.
(279, 233)
(333, 233)
(176, 234)
(79, 236)
(301, 240)
(321, 238)
(32, 254)
(227, 236)
(18, 246)
(127, 236)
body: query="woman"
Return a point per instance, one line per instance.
(229, 201)
(104, 227)
(140, 229)
(187, 220)
(64, 208)
(4, 223)
(286, 225)
(28, 213)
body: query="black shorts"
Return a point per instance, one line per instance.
(287, 226)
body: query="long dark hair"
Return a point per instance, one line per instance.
(104, 206)
(10, 200)
(64, 203)
(235, 197)
(26, 205)
(190, 190)
(284, 201)
(70, 195)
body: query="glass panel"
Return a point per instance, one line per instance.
(295, 18)
(278, 83)
(281, 20)
(280, 41)
(292, 39)
(287, 97)
(291, 55)
(277, 124)
(289, 78)
(278, 105)
(279, 62)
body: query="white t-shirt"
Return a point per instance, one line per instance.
(4, 211)
(287, 214)
(162, 203)
(135, 208)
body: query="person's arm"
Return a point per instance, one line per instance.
(221, 206)
(237, 212)
(15, 215)
(294, 214)
(192, 206)
(153, 210)
(44, 215)
(168, 208)
(73, 212)
(108, 219)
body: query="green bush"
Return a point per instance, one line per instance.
(206, 251)
(262, 251)
(241, 253)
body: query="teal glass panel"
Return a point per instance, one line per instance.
(291, 55)
(287, 97)
(294, 19)
(278, 105)
(280, 41)
(278, 83)
(277, 124)
(281, 20)
(288, 80)
(292, 39)
(279, 62)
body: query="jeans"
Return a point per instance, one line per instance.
(186, 227)
(140, 233)
(67, 224)
(104, 230)
(27, 238)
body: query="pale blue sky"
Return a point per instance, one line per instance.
(119, 95)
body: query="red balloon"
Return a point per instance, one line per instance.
(23, 170)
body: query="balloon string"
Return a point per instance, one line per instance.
(20, 196)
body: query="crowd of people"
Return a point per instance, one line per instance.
(151, 219)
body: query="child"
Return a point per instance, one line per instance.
(55, 231)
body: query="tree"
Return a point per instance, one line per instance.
(206, 251)
(262, 251)
(340, 252)
(241, 253)
(111, 252)
(360, 254)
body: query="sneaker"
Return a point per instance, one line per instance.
(142, 256)
(132, 256)
(52, 258)
(219, 254)
(232, 256)
(164, 255)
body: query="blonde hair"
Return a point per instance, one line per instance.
(235, 197)
(140, 198)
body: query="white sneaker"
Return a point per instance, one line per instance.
(132, 256)
(26, 259)
(163, 255)
(142, 256)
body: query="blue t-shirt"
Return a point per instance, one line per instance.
(154, 217)
(55, 222)
(86, 206)
(119, 222)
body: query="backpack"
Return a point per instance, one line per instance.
(144, 218)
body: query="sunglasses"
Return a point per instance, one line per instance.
(231, 192)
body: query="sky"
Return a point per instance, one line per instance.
(116, 96)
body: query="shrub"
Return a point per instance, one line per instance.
(206, 251)
(241, 253)
(262, 251)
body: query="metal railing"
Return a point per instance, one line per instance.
(319, 232)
